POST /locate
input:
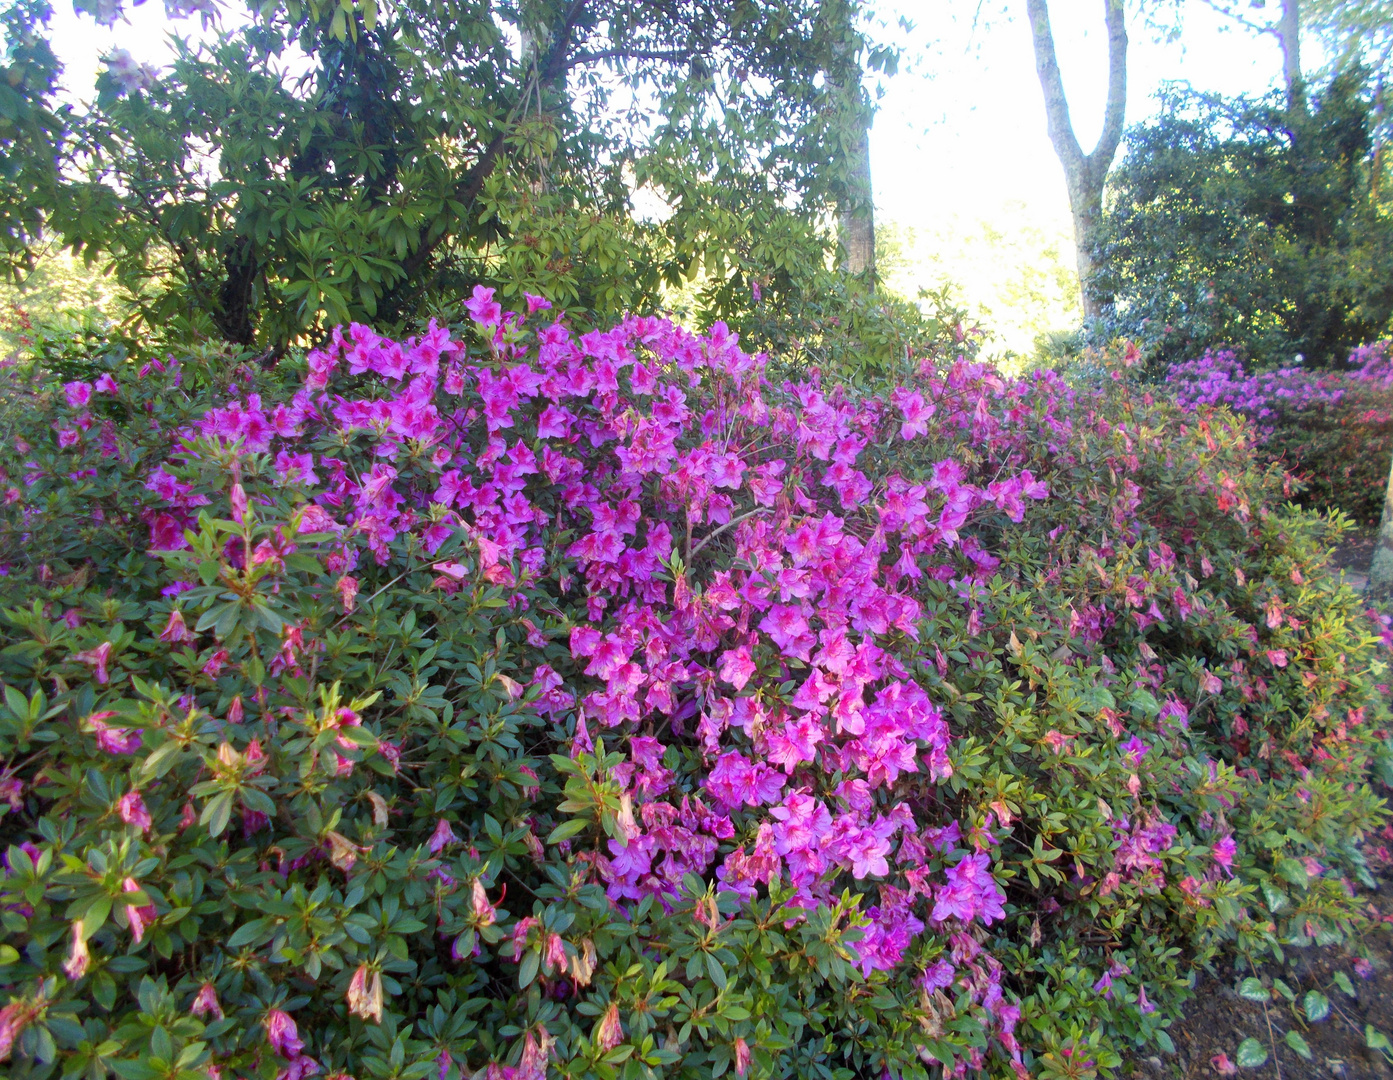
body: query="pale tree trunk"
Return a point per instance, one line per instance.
(1289, 33)
(855, 197)
(856, 215)
(1084, 174)
(1381, 569)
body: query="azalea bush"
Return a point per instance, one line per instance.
(506, 702)
(1332, 429)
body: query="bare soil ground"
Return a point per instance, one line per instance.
(1353, 556)
(1218, 1019)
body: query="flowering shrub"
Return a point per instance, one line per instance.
(1332, 429)
(493, 705)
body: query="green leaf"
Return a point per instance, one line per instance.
(1251, 1054)
(216, 814)
(160, 761)
(1342, 981)
(1253, 990)
(527, 970)
(358, 736)
(214, 614)
(135, 1070)
(1293, 871)
(246, 933)
(1297, 1043)
(1141, 701)
(1276, 899)
(566, 830)
(1315, 1005)
(17, 703)
(1374, 1039)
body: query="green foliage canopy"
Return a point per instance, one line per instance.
(327, 162)
(1241, 223)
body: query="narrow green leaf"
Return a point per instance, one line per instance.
(566, 830)
(527, 970)
(1297, 1043)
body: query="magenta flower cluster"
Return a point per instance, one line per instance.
(649, 444)
(1219, 378)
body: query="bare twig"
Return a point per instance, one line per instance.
(732, 522)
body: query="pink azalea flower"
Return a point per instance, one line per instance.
(737, 666)
(482, 307)
(131, 807)
(79, 394)
(113, 740)
(442, 837)
(1223, 852)
(97, 659)
(175, 631)
(742, 1057)
(347, 588)
(205, 1002)
(282, 1035)
(138, 917)
(483, 913)
(608, 1031)
(75, 966)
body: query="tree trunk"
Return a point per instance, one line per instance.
(852, 171)
(1289, 33)
(1381, 568)
(1084, 174)
(856, 215)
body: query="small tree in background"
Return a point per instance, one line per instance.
(1244, 223)
(1085, 174)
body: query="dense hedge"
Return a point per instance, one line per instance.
(603, 707)
(1332, 429)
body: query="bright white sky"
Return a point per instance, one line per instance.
(960, 154)
(971, 135)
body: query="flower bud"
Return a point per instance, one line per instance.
(608, 1032)
(365, 994)
(76, 963)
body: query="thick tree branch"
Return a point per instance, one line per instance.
(1289, 33)
(1084, 175)
(1116, 113)
(549, 67)
(1061, 128)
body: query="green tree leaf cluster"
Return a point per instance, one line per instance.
(321, 163)
(1249, 224)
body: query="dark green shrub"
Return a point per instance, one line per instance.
(600, 707)
(1332, 430)
(1240, 224)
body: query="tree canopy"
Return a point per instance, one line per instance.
(1253, 224)
(325, 162)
